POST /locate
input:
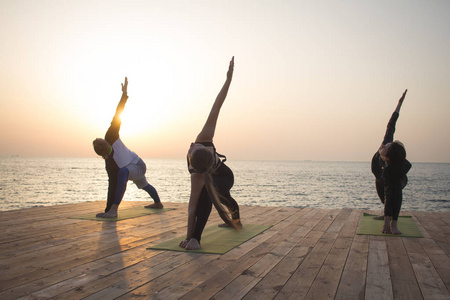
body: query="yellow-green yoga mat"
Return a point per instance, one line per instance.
(127, 213)
(216, 240)
(405, 224)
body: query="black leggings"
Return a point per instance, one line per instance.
(223, 180)
(393, 199)
(379, 185)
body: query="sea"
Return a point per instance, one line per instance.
(27, 182)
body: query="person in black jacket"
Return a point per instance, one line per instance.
(121, 164)
(390, 166)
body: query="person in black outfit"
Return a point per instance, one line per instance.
(121, 164)
(390, 166)
(211, 179)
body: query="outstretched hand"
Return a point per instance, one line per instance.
(400, 101)
(125, 86)
(403, 96)
(230, 69)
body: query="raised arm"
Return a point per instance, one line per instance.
(123, 100)
(400, 101)
(389, 135)
(207, 133)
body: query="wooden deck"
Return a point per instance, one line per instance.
(308, 254)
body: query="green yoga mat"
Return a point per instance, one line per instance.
(216, 240)
(127, 213)
(405, 224)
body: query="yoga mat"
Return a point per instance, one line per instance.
(405, 224)
(127, 213)
(216, 240)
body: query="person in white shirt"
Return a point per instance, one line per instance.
(121, 164)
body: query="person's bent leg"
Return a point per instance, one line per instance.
(137, 175)
(379, 185)
(154, 195)
(232, 207)
(152, 192)
(224, 181)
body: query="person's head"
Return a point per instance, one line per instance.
(101, 147)
(393, 153)
(201, 159)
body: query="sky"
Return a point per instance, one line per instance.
(313, 80)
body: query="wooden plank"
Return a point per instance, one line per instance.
(107, 287)
(59, 227)
(113, 263)
(308, 253)
(326, 283)
(299, 283)
(244, 264)
(430, 282)
(63, 257)
(104, 239)
(436, 227)
(130, 232)
(439, 258)
(269, 286)
(422, 229)
(353, 280)
(128, 278)
(378, 285)
(404, 283)
(242, 284)
(133, 281)
(132, 243)
(173, 276)
(351, 224)
(212, 276)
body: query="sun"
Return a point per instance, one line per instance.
(159, 87)
(152, 101)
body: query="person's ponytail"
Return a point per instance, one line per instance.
(215, 198)
(203, 162)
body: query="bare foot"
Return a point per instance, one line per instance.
(184, 243)
(238, 223)
(394, 228)
(109, 214)
(387, 225)
(193, 245)
(381, 217)
(112, 212)
(155, 205)
(386, 229)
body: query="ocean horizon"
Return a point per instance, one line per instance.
(42, 181)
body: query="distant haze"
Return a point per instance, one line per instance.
(313, 80)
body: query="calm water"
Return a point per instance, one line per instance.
(31, 182)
